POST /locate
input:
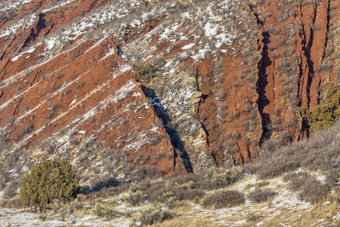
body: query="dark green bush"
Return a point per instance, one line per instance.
(325, 114)
(48, 181)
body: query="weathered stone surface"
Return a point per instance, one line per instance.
(234, 74)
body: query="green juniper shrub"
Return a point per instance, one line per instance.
(325, 114)
(48, 181)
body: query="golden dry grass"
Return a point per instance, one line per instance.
(270, 213)
(189, 222)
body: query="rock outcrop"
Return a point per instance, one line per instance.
(227, 76)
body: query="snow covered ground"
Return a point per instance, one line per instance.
(15, 217)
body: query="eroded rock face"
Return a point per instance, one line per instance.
(72, 90)
(233, 76)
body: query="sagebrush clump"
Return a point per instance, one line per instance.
(261, 195)
(153, 215)
(223, 199)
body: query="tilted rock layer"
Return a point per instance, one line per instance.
(218, 78)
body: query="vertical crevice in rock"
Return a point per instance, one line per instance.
(306, 48)
(327, 28)
(199, 119)
(249, 153)
(38, 5)
(35, 30)
(241, 155)
(261, 85)
(299, 88)
(262, 81)
(49, 30)
(5, 51)
(15, 109)
(34, 78)
(199, 108)
(93, 4)
(175, 139)
(3, 23)
(310, 63)
(304, 124)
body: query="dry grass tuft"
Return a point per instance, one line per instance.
(313, 191)
(153, 215)
(223, 199)
(261, 195)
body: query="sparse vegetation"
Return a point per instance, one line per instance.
(313, 191)
(104, 212)
(316, 154)
(179, 48)
(135, 197)
(27, 129)
(148, 71)
(257, 185)
(223, 199)
(153, 215)
(297, 180)
(261, 195)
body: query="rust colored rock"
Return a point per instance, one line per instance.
(219, 83)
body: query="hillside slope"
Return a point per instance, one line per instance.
(172, 85)
(279, 189)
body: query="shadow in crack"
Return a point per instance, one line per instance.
(35, 31)
(262, 83)
(162, 114)
(111, 182)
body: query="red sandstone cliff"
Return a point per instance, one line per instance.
(234, 74)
